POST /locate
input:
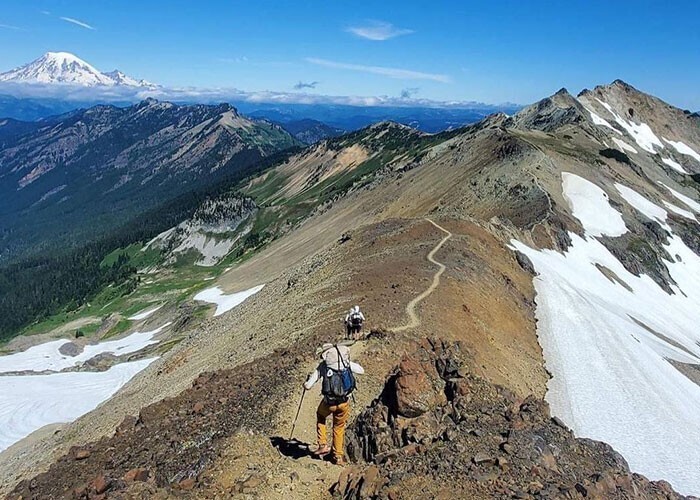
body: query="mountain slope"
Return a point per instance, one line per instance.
(605, 333)
(96, 167)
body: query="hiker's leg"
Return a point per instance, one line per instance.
(340, 418)
(322, 413)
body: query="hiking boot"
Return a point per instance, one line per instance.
(338, 461)
(321, 451)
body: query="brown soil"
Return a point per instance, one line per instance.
(382, 267)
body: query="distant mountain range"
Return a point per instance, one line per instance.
(58, 82)
(67, 68)
(311, 131)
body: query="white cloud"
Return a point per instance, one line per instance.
(86, 95)
(232, 60)
(401, 74)
(77, 22)
(378, 31)
(10, 27)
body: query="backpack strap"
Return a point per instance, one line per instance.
(340, 359)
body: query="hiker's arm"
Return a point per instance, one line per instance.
(312, 379)
(362, 316)
(355, 368)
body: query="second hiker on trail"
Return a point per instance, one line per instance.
(353, 322)
(336, 373)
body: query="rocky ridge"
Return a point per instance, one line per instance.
(441, 430)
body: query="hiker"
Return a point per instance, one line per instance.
(336, 372)
(353, 322)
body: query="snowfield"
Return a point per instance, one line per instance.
(589, 203)
(47, 356)
(224, 302)
(28, 403)
(608, 338)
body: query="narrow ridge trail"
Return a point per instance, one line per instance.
(306, 423)
(414, 319)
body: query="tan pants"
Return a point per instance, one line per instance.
(340, 414)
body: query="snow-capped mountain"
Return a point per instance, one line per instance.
(120, 78)
(66, 68)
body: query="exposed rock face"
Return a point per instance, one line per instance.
(497, 446)
(211, 232)
(416, 389)
(550, 114)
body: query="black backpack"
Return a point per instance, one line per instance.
(337, 384)
(356, 319)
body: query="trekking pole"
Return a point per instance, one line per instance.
(294, 424)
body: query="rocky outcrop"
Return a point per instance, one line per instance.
(550, 113)
(439, 430)
(212, 231)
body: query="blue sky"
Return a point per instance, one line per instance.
(491, 51)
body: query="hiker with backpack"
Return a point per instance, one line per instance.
(353, 322)
(336, 372)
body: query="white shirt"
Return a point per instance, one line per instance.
(347, 316)
(331, 360)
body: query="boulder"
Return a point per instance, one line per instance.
(138, 474)
(417, 388)
(100, 484)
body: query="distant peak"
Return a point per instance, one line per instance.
(621, 83)
(62, 55)
(67, 68)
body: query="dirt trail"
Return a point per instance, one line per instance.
(306, 423)
(315, 476)
(414, 319)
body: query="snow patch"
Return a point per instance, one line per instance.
(623, 145)
(597, 120)
(144, 314)
(224, 302)
(641, 204)
(684, 149)
(694, 205)
(677, 210)
(29, 402)
(641, 132)
(674, 165)
(47, 356)
(589, 204)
